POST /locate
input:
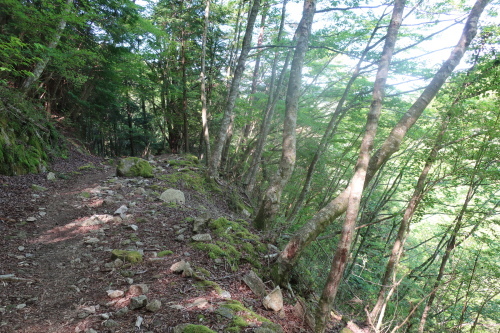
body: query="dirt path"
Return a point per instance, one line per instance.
(57, 271)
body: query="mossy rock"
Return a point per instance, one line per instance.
(190, 328)
(134, 167)
(243, 317)
(129, 256)
(165, 253)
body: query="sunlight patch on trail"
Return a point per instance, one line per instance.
(77, 227)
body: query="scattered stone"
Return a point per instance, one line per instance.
(128, 256)
(134, 167)
(177, 307)
(115, 293)
(21, 248)
(42, 214)
(121, 211)
(91, 330)
(39, 188)
(200, 223)
(180, 266)
(104, 316)
(51, 176)
(180, 231)
(255, 283)
(110, 323)
(189, 272)
(225, 312)
(138, 289)
(20, 306)
(202, 238)
(246, 213)
(181, 237)
(198, 303)
(274, 301)
(173, 195)
(123, 311)
(91, 240)
(138, 302)
(224, 294)
(154, 305)
(74, 288)
(133, 227)
(31, 219)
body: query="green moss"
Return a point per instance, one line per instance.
(139, 168)
(196, 329)
(85, 194)
(244, 318)
(87, 167)
(133, 237)
(165, 253)
(205, 284)
(129, 256)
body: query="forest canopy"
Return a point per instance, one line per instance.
(365, 134)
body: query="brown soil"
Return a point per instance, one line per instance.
(59, 278)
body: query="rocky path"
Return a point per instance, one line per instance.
(60, 270)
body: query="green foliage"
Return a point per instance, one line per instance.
(128, 256)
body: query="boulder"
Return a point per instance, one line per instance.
(274, 301)
(255, 284)
(174, 196)
(134, 167)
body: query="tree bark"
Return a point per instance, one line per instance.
(42, 63)
(270, 203)
(203, 96)
(274, 91)
(215, 159)
(305, 235)
(358, 180)
(388, 283)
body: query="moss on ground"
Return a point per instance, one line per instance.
(165, 253)
(196, 329)
(139, 168)
(129, 256)
(243, 318)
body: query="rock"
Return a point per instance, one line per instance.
(138, 302)
(51, 176)
(91, 240)
(274, 301)
(42, 214)
(138, 289)
(225, 312)
(31, 219)
(269, 328)
(255, 284)
(246, 213)
(38, 188)
(202, 238)
(188, 272)
(134, 167)
(180, 237)
(21, 248)
(133, 227)
(174, 196)
(121, 211)
(123, 311)
(115, 293)
(129, 256)
(200, 223)
(198, 303)
(224, 294)
(110, 323)
(180, 266)
(154, 305)
(91, 330)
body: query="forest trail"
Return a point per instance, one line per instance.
(58, 273)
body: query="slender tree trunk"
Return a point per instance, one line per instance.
(274, 93)
(388, 283)
(204, 109)
(358, 180)
(215, 159)
(42, 63)
(184, 94)
(305, 235)
(270, 204)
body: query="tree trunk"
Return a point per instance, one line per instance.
(330, 130)
(388, 283)
(215, 159)
(204, 109)
(358, 180)
(270, 203)
(274, 91)
(42, 63)
(305, 235)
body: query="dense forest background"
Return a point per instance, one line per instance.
(365, 133)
